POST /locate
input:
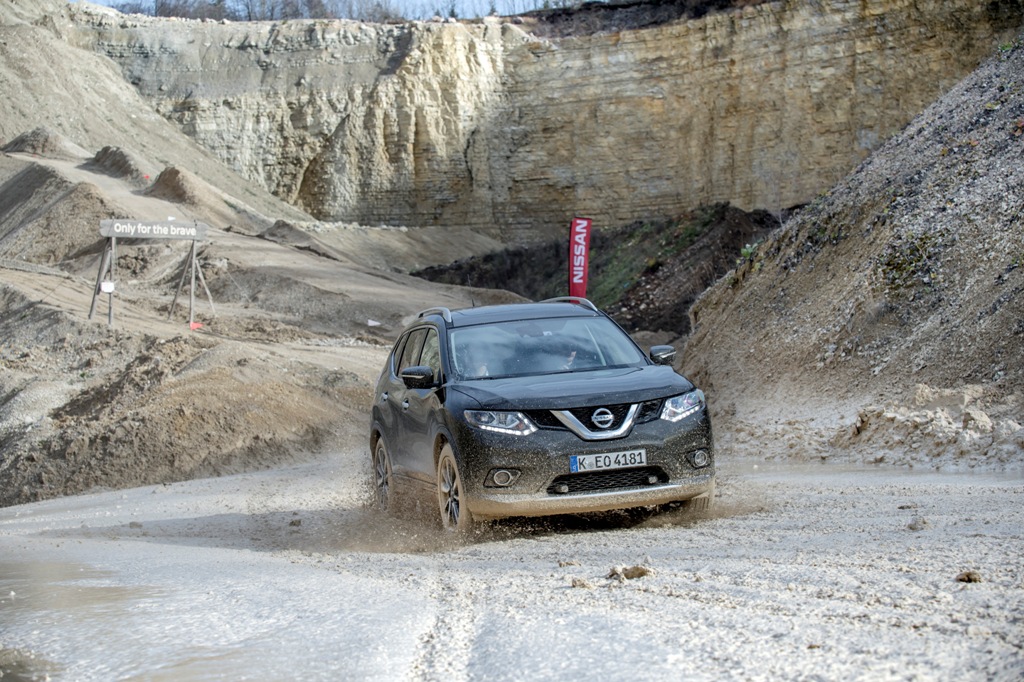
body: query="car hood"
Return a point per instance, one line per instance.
(577, 389)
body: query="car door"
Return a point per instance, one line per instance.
(387, 415)
(392, 399)
(419, 409)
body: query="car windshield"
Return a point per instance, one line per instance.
(545, 346)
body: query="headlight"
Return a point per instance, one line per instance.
(683, 405)
(513, 423)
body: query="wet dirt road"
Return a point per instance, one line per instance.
(801, 572)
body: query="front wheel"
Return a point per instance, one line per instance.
(381, 475)
(702, 504)
(454, 516)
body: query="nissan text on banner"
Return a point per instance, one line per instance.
(579, 256)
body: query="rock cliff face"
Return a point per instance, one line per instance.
(490, 126)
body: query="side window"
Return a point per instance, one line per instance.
(431, 356)
(396, 353)
(411, 352)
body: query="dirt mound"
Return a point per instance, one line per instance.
(292, 302)
(46, 143)
(121, 163)
(201, 201)
(907, 274)
(181, 187)
(46, 219)
(283, 232)
(223, 410)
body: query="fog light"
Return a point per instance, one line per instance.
(700, 459)
(652, 479)
(561, 488)
(502, 478)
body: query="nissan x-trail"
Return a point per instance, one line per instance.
(535, 409)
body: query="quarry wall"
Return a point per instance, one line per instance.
(485, 124)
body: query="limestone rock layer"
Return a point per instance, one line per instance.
(486, 125)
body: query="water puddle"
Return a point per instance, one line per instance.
(40, 599)
(24, 666)
(41, 588)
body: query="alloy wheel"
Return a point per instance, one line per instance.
(381, 476)
(449, 493)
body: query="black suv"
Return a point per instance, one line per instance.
(535, 409)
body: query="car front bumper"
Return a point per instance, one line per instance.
(543, 483)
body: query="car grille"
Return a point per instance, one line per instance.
(544, 419)
(649, 410)
(618, 412)
(607, 480)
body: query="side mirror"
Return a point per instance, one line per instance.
(418, 376)
(663, 355)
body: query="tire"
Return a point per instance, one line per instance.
(702, 504)
(450, 498)
(382, 476)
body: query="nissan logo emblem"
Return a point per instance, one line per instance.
(602, 418)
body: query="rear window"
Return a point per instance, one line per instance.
(545, 346)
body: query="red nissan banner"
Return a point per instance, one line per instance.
(579, 256)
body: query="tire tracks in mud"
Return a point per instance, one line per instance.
(443, 651)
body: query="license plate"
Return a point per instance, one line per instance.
(608, 460)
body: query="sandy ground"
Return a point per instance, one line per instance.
(801, 572)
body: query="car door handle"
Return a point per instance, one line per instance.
(405, 404)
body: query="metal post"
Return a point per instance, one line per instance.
(104, 261)
(184, 271)
(202, 280)
(113, 278)
(192, 287)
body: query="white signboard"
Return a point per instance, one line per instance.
(136, 229)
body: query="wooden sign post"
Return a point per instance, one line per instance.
(106, 279)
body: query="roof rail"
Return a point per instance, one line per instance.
(440, 310)
(572, 299)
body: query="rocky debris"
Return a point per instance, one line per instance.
(969, 577)
(26, 665)
(965, 427)
(889, 307)
(624, 573)
(918, 524)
